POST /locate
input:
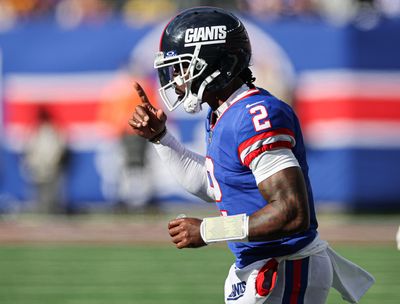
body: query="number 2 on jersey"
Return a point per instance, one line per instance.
(212, 180)
(259, 120)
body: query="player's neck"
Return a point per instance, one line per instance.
(216, 99)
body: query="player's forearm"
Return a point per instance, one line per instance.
(275, 221)
(187, 167)
(286, 213)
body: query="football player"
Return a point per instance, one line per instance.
(255, 168)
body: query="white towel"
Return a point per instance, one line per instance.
(349, 279)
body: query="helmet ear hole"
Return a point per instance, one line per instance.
(228, 66)
(199, 65)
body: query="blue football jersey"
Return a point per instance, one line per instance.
(254, 122)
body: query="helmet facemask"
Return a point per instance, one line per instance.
(177, 72)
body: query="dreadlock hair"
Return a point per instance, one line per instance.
(247, 76)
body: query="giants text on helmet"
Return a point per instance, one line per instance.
(207, 34)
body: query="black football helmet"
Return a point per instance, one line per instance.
(201, 49)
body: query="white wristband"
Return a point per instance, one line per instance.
(225, 228)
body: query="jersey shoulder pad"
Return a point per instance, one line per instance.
(265, 124)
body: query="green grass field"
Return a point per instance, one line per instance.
(151, 274)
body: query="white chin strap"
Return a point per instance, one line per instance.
(192, 103)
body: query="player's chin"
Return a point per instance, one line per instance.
(180, 93)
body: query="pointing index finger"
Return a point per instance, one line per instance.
(141, 93)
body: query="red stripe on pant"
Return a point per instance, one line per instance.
(296, 287)
(296, 280)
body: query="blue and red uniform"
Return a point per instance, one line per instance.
(254, 123)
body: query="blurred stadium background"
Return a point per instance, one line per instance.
(70, 173)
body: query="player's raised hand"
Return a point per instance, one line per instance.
(147, 121)
(185, 232)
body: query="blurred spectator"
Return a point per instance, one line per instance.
(72, 13)
(228, 4)
(337, 12)
(7, 16)
(390, 8)
(139, 11)
(135, 183)
(277, 8)
(12, 11)
(29, 8)
(368, 15)
(135, 189)
(45, 158)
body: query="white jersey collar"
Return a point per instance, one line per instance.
(237, 95)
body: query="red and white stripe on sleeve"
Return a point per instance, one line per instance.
(266, 141)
